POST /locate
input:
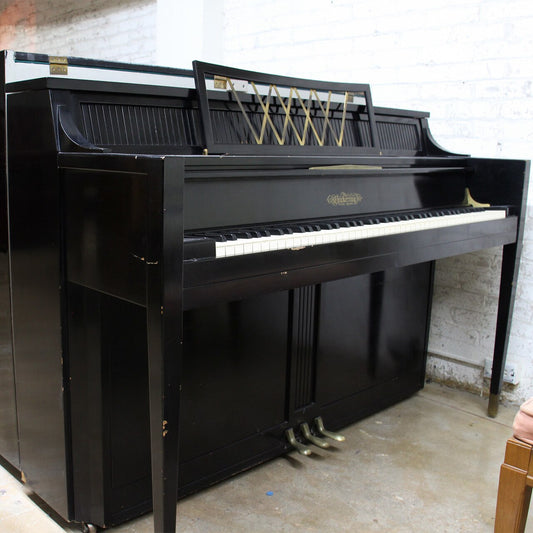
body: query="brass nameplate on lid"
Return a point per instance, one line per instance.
(58, 65)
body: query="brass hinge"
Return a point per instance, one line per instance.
(58, 65)
(220, 82)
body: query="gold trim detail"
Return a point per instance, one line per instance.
(468, 200)
(58, 65)
(344, 199)
(289, 105)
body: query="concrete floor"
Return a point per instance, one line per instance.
(428, 464)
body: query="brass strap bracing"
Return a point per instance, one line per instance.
(293, 101)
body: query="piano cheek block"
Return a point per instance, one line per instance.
(198, 248)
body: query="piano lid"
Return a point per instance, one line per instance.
(21, 66)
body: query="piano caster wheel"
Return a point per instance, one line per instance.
(298, 446)
(317, 441)
(88, 528)
(323, 431)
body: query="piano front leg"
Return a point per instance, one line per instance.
(509, 276)
(165, 333)
(502, 182)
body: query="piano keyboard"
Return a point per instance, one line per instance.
(294, 236)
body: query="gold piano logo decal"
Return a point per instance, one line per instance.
(345, 198)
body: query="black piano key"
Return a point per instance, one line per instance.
(256, 233)
(277, 231)
(286, 230)
(325, 225)
(218, 237)
(229, 236)
(300, 228)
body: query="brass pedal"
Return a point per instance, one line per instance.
(317, 441)
(323, 431)
(301, 448)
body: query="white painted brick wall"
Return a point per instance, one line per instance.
(468, 62)
(122, 30)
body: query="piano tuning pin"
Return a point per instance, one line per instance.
(323, 431)
(301, 448)
(313, 439)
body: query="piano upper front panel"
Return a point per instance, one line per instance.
(250, 197)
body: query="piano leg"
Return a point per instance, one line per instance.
(509, 275)
(165, 333)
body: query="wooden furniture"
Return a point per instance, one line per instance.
(514, 490)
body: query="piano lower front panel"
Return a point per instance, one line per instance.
(252, 368)
(372, 341)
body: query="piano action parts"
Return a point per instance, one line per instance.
(228, 264)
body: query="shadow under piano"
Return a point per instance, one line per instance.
(202, 270)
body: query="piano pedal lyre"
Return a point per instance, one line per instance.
(298, 446)
(330, 434)
(313, 439)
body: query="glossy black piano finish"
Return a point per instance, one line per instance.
(161, 369)
(341, 328)
(8, 411)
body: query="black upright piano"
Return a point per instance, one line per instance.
(202, 270)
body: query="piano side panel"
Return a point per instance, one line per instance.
(105, 231)
(36, 295)
(8, 414)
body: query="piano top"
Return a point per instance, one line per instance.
(225, 111)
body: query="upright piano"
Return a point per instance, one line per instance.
(202, 270)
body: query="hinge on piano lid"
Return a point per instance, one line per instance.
(230, 84)
(220, 82)
(58, 65)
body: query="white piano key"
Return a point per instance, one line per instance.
(367, 231)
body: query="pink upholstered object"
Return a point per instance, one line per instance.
(523, 422)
